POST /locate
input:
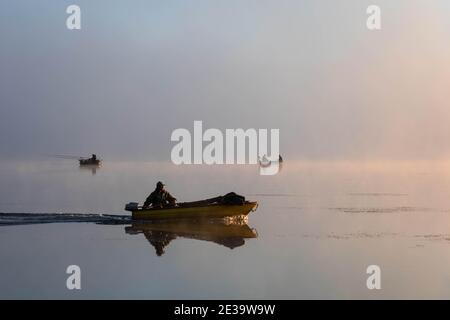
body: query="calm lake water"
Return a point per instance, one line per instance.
(318, 227)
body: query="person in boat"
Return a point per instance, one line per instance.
(159, 198)
(93, 158)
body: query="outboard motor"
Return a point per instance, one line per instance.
(132, 206)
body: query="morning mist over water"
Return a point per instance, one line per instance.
(98, 201)
(134, 73)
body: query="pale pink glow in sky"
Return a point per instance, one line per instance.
(138, 71)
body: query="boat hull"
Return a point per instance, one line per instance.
(203, 212)
(89, 162)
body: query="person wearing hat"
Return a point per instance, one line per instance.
(159, 198)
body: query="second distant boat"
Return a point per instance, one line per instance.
(93, 160)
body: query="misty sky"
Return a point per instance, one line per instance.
(139, 69)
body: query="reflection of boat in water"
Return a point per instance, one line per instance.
(91, 167)
(160, 234)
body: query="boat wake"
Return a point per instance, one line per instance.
(231, 232)
(10, 219)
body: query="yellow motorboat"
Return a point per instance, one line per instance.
(188, 211)
(229, 205)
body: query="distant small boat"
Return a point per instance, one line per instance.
(265, 162)
(92, 161)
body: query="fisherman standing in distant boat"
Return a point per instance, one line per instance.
(93, 160)
(159, 198)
